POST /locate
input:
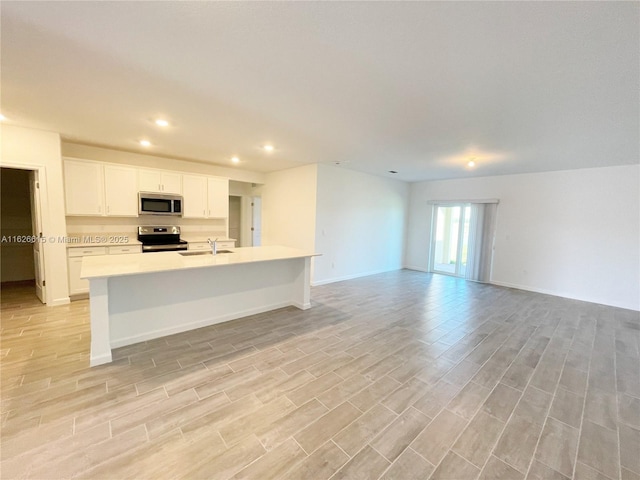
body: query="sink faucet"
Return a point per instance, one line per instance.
(214, 245)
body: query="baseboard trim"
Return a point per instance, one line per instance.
(59, 301)
(351, 277)
(416, 268)
(561, 295)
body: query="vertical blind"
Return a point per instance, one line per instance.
(481, 234)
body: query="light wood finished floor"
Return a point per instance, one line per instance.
(396, 376)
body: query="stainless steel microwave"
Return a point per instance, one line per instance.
(150, 203)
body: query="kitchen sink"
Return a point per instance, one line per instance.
(189, 254)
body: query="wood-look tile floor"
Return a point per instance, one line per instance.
(397, 376)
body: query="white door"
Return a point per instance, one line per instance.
(149, 181)
(256, 221)
(83, 187)
(195, 196)
(218, 197)
(171, 183)
(36, 224)
(121, 191)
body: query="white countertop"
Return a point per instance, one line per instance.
(116, 265)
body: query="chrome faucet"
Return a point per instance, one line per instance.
(214, 245)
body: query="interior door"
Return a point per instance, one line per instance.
(36, 225)
(256, 221)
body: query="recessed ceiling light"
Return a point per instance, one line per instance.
(235, 159)
(268, 148)
(162, 122)
(145, 143)
(471, 163)
(2, 118)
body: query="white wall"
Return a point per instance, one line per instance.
(33, 149)
(360, 224)
(574, 234)
(289, 207)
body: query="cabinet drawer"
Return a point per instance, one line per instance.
(198, 246)
(86, 251)
(226, 244)
(122, 249)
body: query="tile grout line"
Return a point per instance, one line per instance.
(495, 386)
(555, 392)
(516, 406)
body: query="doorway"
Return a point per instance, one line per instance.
(235, 219)
(256, 221)
(451, 239)
(22, 255)
(462, 239)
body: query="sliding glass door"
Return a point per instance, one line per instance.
(451, 239)
(462, 239)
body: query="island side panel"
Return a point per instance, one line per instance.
(152, 305)
(99, 309)
(302, 292)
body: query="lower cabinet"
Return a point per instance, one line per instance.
(77, 285)
(206, 246)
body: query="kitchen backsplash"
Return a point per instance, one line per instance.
(125, 225)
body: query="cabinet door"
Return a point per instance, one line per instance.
(149, 180)
(171, 182)
(195, 196)
(76, 284)
(83, 188)
(121, 191)
(218, 198)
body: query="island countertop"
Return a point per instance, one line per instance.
(102, 266)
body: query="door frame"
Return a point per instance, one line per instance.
(41, 177)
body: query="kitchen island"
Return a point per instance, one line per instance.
(139, 297)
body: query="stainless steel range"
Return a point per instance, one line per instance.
(161, 238)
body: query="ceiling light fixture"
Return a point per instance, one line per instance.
(268, 148)
(161, 122)
(145, 143)
(235, 159)
(471, 163)
(2, 118)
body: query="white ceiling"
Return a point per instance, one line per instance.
(417, 87)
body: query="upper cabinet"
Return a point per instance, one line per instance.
(218, 197)
(195, 196)
(92, 188)
(105, 189)
(159, 181)
(205, 197)
(121, 191)
(83, 188)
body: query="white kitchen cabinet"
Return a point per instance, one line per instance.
(218, 197)
(195, 196)
(77, 285)
(122, 249)
(205, 245)
(159, 181)
(121, 191)
(83, 188)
